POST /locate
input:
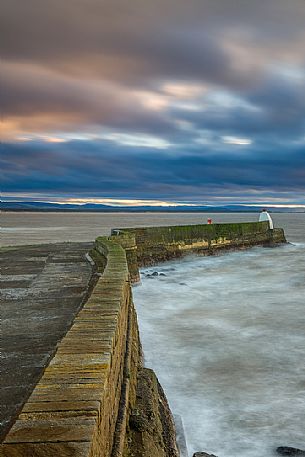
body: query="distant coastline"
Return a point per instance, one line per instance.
(16, 206)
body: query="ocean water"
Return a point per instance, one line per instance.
(226, 337)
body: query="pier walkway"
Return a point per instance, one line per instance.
(42, 288)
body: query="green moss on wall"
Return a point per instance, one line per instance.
(146, 246)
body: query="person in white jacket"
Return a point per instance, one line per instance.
(265, 216)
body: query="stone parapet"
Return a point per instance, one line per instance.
(77, 405)
(151, 245)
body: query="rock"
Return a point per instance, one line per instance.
(182, 284)
(162, 274)
(151, 431)
(203, 454)
(138, 421)
(286, 450)
(155, 273)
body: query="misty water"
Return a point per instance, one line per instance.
(226, 337)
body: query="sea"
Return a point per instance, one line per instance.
(225, 335)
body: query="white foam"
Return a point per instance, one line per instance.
(228, 348)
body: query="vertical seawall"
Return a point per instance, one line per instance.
(150, 245)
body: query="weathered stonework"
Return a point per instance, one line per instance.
(42, 289)
(82, 403)
(150, 245)
(74, 408)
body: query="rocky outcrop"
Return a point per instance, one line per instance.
(203, 454)
(151, 430)
(292, 451)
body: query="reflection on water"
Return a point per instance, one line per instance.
(226, 336)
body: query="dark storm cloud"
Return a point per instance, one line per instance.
(138, 44)
(86, 67)
(275, 107)
(54, 29)
(104, 169)
(26, 91)
(136, 41)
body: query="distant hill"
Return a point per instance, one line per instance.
(43, 206)
(96, 207)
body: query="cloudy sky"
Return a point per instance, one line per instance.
(167, 100)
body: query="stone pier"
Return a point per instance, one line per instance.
(72, 379)
(42, 288)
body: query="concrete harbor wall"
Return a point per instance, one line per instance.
(95, 398)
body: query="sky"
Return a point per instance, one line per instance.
(170, 101)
